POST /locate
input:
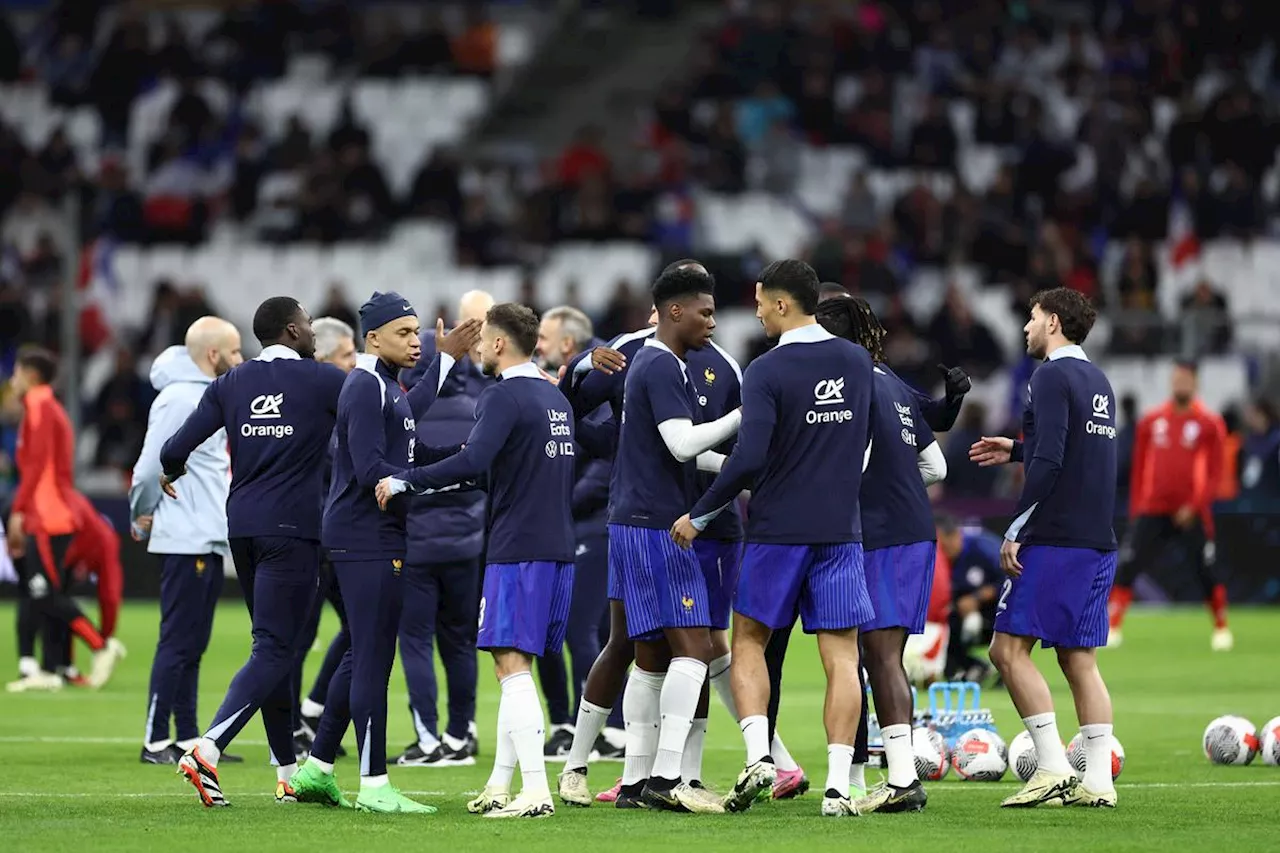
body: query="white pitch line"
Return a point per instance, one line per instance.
(73, 795)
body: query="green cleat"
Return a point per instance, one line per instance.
(387, 799)
(310, 784)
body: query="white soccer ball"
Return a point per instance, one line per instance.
(933, 759)
(1270, 742)
(1230, 740)
(980, 756)
(1022, 755)
(1075, 755)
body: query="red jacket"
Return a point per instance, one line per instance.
(1177, 461)
(940, 593)
(45, 454)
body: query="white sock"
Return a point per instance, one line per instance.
(187, 745)
(311, 709)
(322, 766)
(718, 672)
(839, 762)
(452, 742)
(691, 764)
(677, 704)
(858, 777)
(208, 750)
(156, 746)
(504, 751)
(899, 755)
(781, 757)
(755, 732)
(1050, 754)
(591, 719)
(528, 728)
(28, 667)
(373, 781)
(640, 713)
(1097, 757)
(285, 772)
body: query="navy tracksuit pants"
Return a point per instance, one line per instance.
(588, 617)
(372, 591)
(441, 602)
(189, 588)
(337, 647)
(278, 576)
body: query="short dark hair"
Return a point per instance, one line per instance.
(851, 318)
(517, 322)
(794, 278)
(40, 360)
(1188, 364)
(679, 283)
(829, 289)
(1075, 312)
(946, 524)
(683, 262)
(273, 317)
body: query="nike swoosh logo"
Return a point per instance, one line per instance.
(1043, 726)
(1094, 737)
(897, 737)
(396, 400)
(408, 307)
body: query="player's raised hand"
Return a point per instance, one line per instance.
(458, 342)
(988, 451)
(608, 360)
(1009, 558)
(166, 486)
(957, 381)
(554, 380)
(683, 532)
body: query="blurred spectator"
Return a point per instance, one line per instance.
(584, 157)
(475, 50)
(29, 220)
(337, 305)
(933, 141)
(1206, 323)
(435, 192)
(1260, 459)
(780, 161)
(120, 413)
(761, 111)
(962, 340)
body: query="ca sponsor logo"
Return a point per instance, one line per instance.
(1102, 406)
(829, 392)
(266, 406)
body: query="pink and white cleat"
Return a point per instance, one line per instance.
(790, 783)
(610, 795)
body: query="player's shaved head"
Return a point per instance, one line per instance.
(686, 264)
(214, 345)
(473, 305)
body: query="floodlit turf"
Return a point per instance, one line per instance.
(70, 777)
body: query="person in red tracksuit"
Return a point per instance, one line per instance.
(42, 523)
(1177, 462)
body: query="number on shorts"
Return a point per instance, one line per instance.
(1004, 594)
(480, 624)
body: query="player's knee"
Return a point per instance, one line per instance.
(1004, 652)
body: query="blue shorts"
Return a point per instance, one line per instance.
(662, 583)
(899, 580)
(720, 561)
(823, 583)
(614, 586)
(525, 606)
(1060, 598)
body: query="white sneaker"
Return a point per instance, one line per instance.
(1222, 641)
(1044, 788)
(573, 788)
(490, 799)
(526, 805)
(104, 663)
(697, 799)
(753, 779)
(838, 806)
(37, 682)
(1082, 797)
(1114, 639)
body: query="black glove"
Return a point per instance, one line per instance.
(958, 382)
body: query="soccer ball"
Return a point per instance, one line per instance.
(1230, 740)
(931, 753)
(1075, 755)
(1022, 755)
(980, 756)
(1271, 742)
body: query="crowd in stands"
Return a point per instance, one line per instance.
(1040, 143)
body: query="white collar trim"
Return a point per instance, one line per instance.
(1069, 351)
(276, 351)
(527, 369)
(810, 334)
(657, 344)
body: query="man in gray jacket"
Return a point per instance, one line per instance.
(189, 535)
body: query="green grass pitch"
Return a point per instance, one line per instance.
(70, 777)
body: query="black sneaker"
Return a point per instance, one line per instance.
(607, 751)
(659, 794)
(631, 797)
(558, 745)
(889, 800)
(441, 756)
(169, 755)
(463, 756)
(228, 758)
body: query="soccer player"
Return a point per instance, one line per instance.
(898, 537)
(336, 345)
(1177, 463)
(442, 571)
(190, 535)
(376, 437)
(42, 524)
(805, 405)
(278, 411)
(976, 580)
(524, 440)
(563, 334)
(1060, 552)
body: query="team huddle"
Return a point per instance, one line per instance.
(828, 450)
